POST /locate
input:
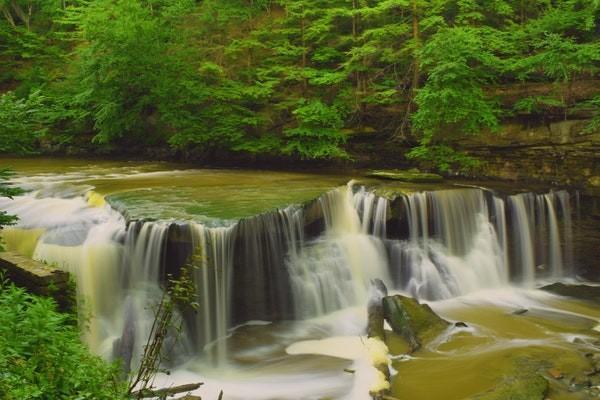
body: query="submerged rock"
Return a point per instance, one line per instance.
(411, 175)
(415, 322)
(517, 387)
(582, 292)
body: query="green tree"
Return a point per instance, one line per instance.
(317, 133)
(453, 102)
(22, 122)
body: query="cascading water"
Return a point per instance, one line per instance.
(275, 267)
(452, 247)
(334, 271)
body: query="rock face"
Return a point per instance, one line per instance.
(375, 310)
(582, 292)
(564, 152)
(38, 278)
(415, 322)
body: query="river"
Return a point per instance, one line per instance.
(283, 264)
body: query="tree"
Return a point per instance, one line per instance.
(22, 122)
(317, 133)
(453, 102)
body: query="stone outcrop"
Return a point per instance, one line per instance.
(582, 292)
(375, 310)
(410, 175)
(565, 152)
(415, 322)
(38, 278)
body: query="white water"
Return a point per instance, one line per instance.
(265, 268)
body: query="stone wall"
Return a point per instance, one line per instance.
(38, 278)
(565, 153)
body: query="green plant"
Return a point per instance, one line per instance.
(444, 158)
(42, 357)
(7, 190)
(180, 294)
(317, 133)
(21, 122)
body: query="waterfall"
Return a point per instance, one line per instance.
(329, 273)
(523, 237)
(452, 246)
(289, 264)
(212, 276)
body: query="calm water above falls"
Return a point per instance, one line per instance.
(286, 274)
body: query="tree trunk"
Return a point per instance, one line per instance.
(302, 28)
(416, 73)
(21, 14)
(9, 18)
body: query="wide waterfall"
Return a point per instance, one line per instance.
(295, 263)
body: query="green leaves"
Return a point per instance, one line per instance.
(22, 122)
(458, 65)
(262, 76)
(7, 190)
(317, 133)
(41, 356)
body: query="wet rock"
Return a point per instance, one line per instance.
(375, 310)
(411, 175)
(518, 387)
(461, 324)
(520, 311)
(39, 278)
(415, 322)
(579, 383)
(376, 333)
(582, 292)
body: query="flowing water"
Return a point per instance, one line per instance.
(283, 265)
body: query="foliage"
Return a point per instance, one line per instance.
(180, 295)
(21, 122)
(7, 190)
(595, 122)
(280, 76)
(443, 157)
(317, 134)
(42, 357)
(458, 64)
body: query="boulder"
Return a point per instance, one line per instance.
(375, 310)
(415, 322)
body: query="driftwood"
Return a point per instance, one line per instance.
(165, 392)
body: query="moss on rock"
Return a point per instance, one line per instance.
(415, 322)
(582, 292)
(529, 386)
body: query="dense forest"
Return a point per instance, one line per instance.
(284, 78)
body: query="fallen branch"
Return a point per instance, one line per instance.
(163, 393)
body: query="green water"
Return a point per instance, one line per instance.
(173, 191)
(556, 334)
